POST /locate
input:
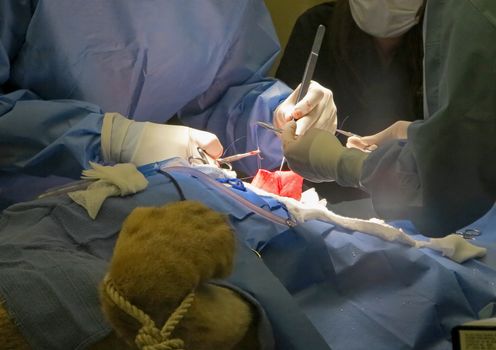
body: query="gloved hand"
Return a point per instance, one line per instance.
(128, 141)
(315, 110)
(319, 156)
(397, 130)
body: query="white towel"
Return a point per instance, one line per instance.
(310, 207)
(117, 180)
(455, 247)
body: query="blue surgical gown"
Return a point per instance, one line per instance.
(444, 176)
(63, 64)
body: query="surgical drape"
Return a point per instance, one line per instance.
(63, 64)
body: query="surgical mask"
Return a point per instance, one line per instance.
(385, 18)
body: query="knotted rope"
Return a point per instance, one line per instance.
(149, 337)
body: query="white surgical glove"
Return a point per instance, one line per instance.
(128, 141)
(396, 131)
(315, 110)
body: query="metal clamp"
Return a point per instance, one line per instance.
(469, 233)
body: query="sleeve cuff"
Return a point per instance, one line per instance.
(349, 169)
(114, 131)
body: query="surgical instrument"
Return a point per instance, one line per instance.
(270, 126)
(310, 67)
(469, 233)
(69, 187)
(279, 130)
(205, 159)
(236, 157)
(346, 133)
(311, 63)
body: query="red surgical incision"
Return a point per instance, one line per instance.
(282, 183)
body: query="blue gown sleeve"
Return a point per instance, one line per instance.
(39, 137)
(239, 95)
(442, 178)
(242, 94)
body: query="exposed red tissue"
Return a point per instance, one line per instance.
(282, 183)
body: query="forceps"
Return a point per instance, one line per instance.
(206, 160)
(238, 156)
(277, 130)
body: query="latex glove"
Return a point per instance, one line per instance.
(397, 130)
(128, 141)
(315, 110)
(319, 156)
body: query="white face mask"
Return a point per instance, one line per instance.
(385, 18)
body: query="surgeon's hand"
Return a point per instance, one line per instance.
(315, 110)
(397, 130)
(127, 141)
(318, 156)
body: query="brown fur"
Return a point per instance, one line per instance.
(10, 337)
(160, 256)
(164, 253)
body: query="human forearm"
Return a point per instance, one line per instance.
(48, 137)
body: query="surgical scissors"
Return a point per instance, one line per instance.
(202, 159)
